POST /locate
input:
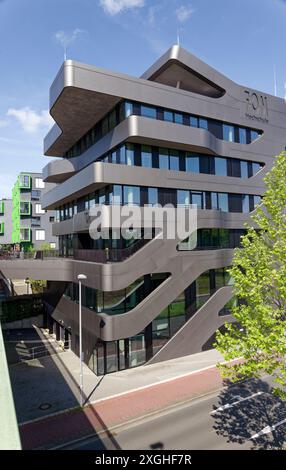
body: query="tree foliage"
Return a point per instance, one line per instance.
(259, 275)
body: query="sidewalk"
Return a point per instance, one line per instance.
(108, 413)
(51, 384)
(104, 413)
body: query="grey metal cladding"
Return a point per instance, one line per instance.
(80, 96)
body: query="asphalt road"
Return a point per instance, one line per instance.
(244, 416)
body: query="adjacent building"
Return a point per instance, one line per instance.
(6, 221)
(183, 134)
(22, 220)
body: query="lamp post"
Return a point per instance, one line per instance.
(80, 277)
(27, 281)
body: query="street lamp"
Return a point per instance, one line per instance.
(80, 278)
(27, 281)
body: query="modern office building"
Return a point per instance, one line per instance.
(184, 134)
(6, 228)
(31, 225)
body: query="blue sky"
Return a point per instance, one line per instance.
(243, 39)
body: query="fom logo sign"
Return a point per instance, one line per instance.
(256, 106)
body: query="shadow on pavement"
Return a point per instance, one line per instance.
(240, 422)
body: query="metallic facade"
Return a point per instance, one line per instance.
(80, 97)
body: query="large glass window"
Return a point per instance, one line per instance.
(128, 109)
(203, 289)
(174, 160)
(163, 159)
(132, 195)
(197, 198)
(152, 196)
(178, 118)
(116, 197)
(220, 166)
(256, 167)
(228, 132)
(194, 122)
(193, 163)
(137, 351)
(146, 156)
(223, 202)
(242, 135)
(148, 111)
(129, 154)
(168, 116)
(245, 203)
(183, 198)
(253, 135)
(203, 123)
(244, 169)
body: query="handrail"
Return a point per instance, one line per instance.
(109, 255)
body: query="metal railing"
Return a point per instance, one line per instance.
(109, 255)
(47, 349)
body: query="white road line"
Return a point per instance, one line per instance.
(230, 405)
(268, 429)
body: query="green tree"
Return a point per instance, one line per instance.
(259, 272)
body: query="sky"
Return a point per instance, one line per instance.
(243, 39)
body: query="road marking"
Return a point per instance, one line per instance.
(268, 429)
(230, 405)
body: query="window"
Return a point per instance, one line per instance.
(174, 160)
(51, 219)
(253, 135)
(52, 245)
(244, 169)
(242, 136)
(203, 123)
(116, 197)
(256, 167)
(132, 195)
(223, 202)
(197, 198)
(148, 111)
(245, 203)
(2, 207)
(25, 234)
(24, 181)
(194, 121)
(220, 166)
(128, 109)
(1, 228)
(146, 156)
(168, 116)
(193, 163)
(129, 154)
(25, 208)
(163, 159)
(35, 194)
(40, 235)
(178, 118)
(257, 200)
(152, 196)
(38, 209)
(214, 200)
(39, 183)
(228, 132)
(183, 198)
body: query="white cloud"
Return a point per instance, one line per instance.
(3, 122)
(113, 7)
(65, 39)
(184, 13)
(30, 120)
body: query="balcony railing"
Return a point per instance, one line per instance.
(109, 255)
